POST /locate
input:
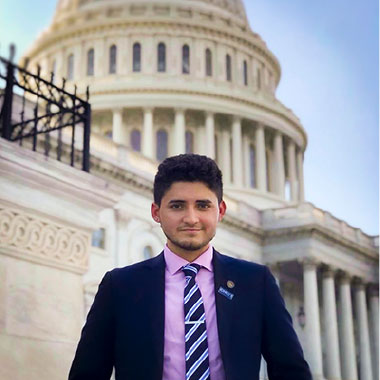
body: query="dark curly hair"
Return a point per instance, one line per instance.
(187, 168)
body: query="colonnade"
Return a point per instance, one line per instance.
(230, 145)
(350, 354)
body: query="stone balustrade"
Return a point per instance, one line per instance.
(307, 213)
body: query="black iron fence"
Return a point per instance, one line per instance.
(36, 112)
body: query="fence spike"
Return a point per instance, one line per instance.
(87, 93)
(12, 52)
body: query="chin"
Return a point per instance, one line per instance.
(190, 245)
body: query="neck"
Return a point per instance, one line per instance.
(187, 255)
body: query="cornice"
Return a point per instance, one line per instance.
(238, 224)
(121, 176)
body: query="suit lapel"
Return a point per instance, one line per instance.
(155, 309)
(224, 304)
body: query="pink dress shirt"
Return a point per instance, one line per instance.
(174, 341)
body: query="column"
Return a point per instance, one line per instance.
(261, 159)
(374, 328)
(225, 158)
(119, 133)
(301, 192)
(279, 165)
(210, 135)
(271, 174)
(247, 161)
(200, 141)
(331, 326)
(147, 137)
(313, 347)
(237, 153)
(291, 155)
(347, 341)
(363, 333)
(179, 146)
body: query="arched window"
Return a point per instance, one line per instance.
(136, 140)
(136, 57)
(208, 62)
(245, 73)
(228, 68)
(162, 145)
(113, 54)
(258, 78)
(271, 81)
(185, 59)
(90, 62)
(70, 67)
(189, 137)
(252, 167)
(161, 57)
(148, 252)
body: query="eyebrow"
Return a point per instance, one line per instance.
(197, 201)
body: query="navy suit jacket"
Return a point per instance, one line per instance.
(125, 326)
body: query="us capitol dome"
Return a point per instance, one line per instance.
(175, 76)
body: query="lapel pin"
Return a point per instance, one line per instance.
(230, 284)
(225, 293)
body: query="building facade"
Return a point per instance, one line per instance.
(168, 77)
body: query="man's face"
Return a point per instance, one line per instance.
(188, 214)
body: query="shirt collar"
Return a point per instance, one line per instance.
(174, 263)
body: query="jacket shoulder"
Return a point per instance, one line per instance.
(139, 268)
(239, 264)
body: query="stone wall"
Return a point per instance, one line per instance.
(47, 213)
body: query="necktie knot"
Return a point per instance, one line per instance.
(191, 270)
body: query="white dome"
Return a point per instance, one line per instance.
(169, 76)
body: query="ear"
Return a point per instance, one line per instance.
(155, 211)
(222, 210)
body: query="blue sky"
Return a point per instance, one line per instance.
(328, 51)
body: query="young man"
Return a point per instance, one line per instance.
(189, 313)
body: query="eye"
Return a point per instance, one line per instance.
(203, 206)
(176, 206)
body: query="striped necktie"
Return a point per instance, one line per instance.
(196, 347)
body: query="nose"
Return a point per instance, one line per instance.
(191, 216)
